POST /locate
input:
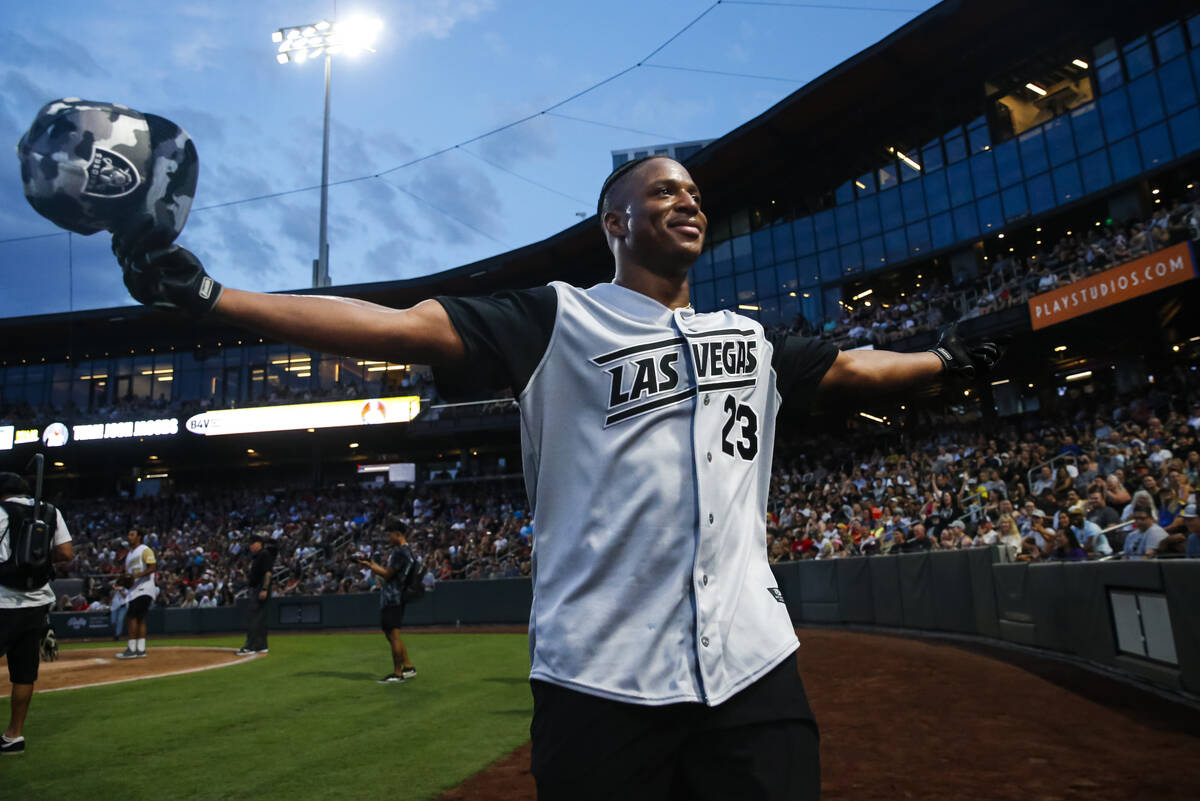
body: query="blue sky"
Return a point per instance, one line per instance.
(445, 72)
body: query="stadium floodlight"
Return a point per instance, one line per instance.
(300, 43)
(1079, 62)
(1033, 87)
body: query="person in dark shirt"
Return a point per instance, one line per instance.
(918, 542)
(258, 592)
(391, 599)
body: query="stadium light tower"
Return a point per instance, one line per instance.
(301, 43)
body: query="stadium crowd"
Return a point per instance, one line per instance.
(1039, 488)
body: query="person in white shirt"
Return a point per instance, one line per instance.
(140, 565)
(23, 610)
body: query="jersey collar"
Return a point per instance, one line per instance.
(635, 304)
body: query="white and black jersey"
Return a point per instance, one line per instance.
(647, 437)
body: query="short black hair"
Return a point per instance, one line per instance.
(395, 524)
(13, 484)
(615, 177)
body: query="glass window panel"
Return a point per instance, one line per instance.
(1008, 163)
(1178, 90)
(959, 177)
(833, 303)
(826, 230)
(912, 196)
(1138, 61)
(1067, 186)
(831, 265)
(1096, 174)
(918, 238)
(805, 242)
(722, 257)
(895, 245)
(966, 221)
(808, 271)
(980, 138)
(1015, 204)
(873, 254)
(931, 157)
(907, 171)
(937, 198)
(702, 296)
(1117, 121)
(889, 209)
(956, 149)
(941, 228)
(852, 260)
(1057, 133)
(743, 254)
(1169, 43)
(868, 217)
(1126, 162)
(702, 270)
(1145, 100)
(747, 292)
(810, 307)
(1155, 145)
(983, 173)
(1033, 150)
(786, 277)
(865, 184)
(1086, 122)
(1193, 28)
(739, 222)
(887, 177)
(844, 193)
(1109, 76)
(764, 280)
(991, 217)
(1185, 131)
(764, 254)
(781, 240)
(768, 313)
(789, 307)
(847, 224)
(724, 295)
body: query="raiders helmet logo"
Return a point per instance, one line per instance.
(110, 174)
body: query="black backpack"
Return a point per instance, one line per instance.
(30, 539)
(413, 588)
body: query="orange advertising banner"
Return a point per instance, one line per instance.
(1160, 269)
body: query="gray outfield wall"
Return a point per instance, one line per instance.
(1140, 618)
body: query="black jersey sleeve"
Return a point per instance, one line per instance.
(800, 363)
(505, 335)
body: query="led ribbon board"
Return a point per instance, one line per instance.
(293, 417)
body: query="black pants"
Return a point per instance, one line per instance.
(20, 640)
(585, 747)
(256, 630)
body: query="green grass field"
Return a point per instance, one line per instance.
(307, 721)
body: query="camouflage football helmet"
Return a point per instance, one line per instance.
(89, 167)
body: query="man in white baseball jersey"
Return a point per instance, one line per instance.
(662, 652)
(140, 565)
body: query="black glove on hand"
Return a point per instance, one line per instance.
(962, 359)
(168, 277)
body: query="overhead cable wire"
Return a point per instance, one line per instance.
(522, 177)
(824, 6)
(440, 210)
(35, 236)
(723, 72)
(610, 125)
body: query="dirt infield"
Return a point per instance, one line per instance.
(905, 719)
(85, 667)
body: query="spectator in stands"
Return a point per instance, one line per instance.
(1192, 548)
(1066, 547)
(1099, 512)
(1086, 533)
(1143, 542)
(1010, 536)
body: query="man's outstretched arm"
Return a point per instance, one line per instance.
(882, 370)
(173, 278)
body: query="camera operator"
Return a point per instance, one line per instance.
(23, 609)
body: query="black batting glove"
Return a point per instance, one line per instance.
(962, 359)
(168, 277)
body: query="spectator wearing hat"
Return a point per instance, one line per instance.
(1192, 547)
(1087, 533)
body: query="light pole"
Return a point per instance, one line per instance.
(302, 43)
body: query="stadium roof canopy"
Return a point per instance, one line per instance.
(925, 76)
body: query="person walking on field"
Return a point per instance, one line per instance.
(258, 592)
(663, 656)
(392, 580)
(140, 566)
(25, 600)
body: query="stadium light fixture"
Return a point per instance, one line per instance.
(1060, 348)
(1079, 62)
(300, 43)
(908, 161)
(1079, 376)
(1033, 87)
(871, 417)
